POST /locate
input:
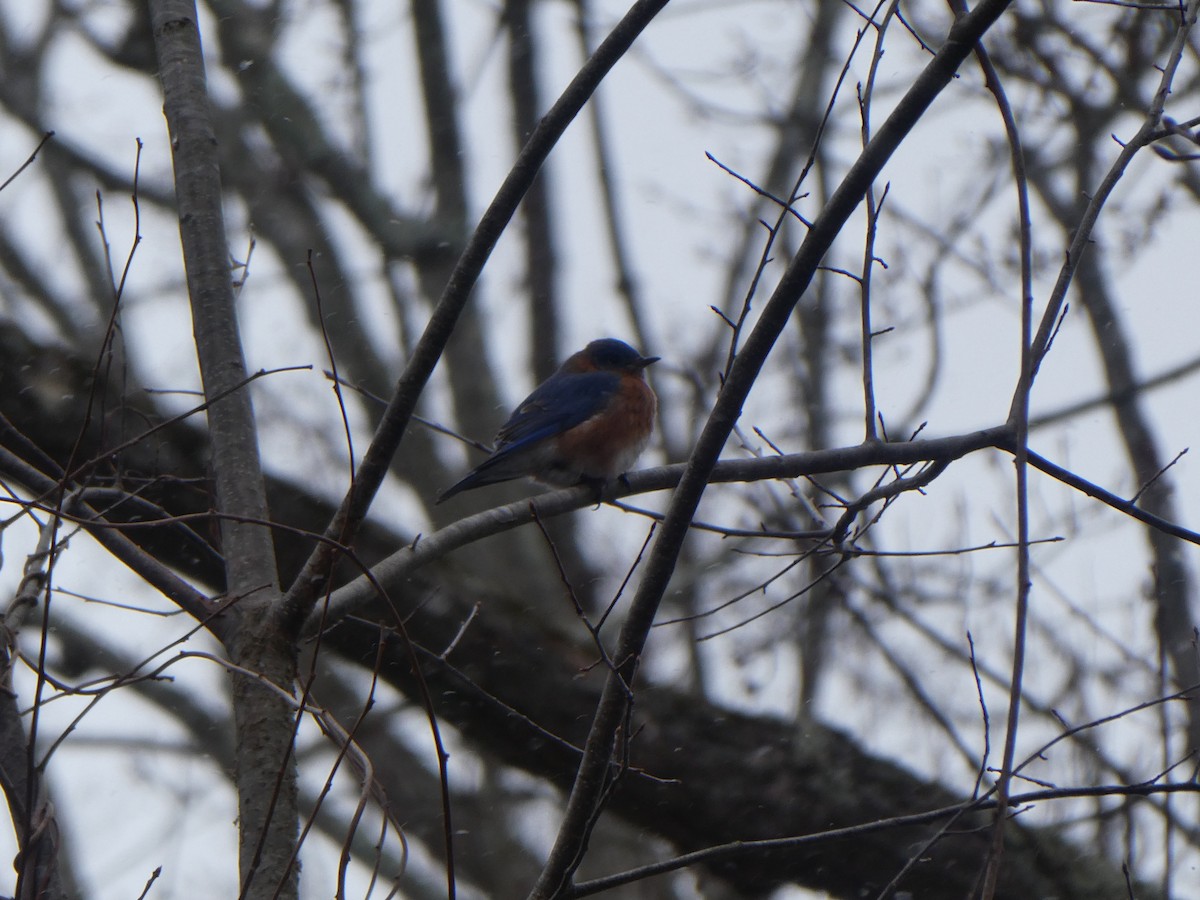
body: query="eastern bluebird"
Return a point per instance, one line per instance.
(589, 421)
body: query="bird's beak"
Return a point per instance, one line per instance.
(648, 361)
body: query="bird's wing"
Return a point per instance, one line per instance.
(557, 405)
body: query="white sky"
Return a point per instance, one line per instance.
(682, 209)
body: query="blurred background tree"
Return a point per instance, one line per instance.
(798, 680)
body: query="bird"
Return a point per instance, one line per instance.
(588, 422)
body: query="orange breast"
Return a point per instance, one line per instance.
(609, 443)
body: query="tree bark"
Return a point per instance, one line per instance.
(265, 776)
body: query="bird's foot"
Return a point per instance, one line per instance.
(598, 487)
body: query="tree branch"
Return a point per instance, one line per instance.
(266, 774)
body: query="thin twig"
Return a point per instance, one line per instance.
(29, 161)
(1087, 222)
(735, 849)
(865, 95)
(1019, 419)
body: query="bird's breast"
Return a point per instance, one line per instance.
(609, 443)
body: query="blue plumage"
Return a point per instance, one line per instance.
(587, 421)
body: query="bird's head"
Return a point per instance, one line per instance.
(611, 355)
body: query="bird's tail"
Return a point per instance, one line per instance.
(493, 470)
(471, 481)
